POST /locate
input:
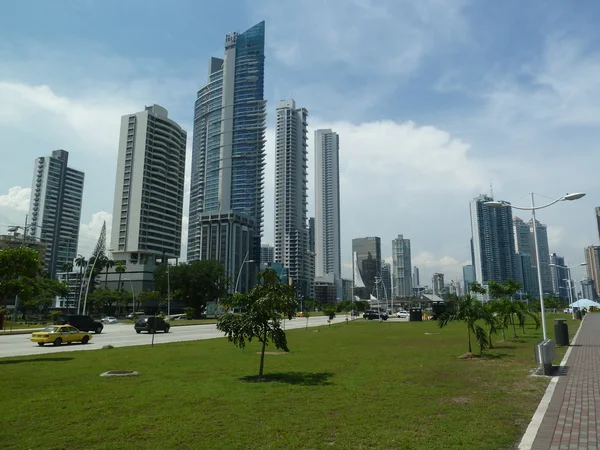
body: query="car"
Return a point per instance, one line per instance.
(135, 315)
(83, 323)
(374, 315)
(57, 334)
(151, 324)
(109, 319)
(402, 314)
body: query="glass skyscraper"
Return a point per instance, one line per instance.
(226, 192)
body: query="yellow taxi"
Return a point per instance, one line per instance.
(57, 334)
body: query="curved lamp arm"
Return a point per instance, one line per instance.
(501, 203)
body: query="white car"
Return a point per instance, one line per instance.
(109, 319)
(402, 314)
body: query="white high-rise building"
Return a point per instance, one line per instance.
(402, 277)
(148, 204)
(55, 209)
(291, 211)
(327, 204)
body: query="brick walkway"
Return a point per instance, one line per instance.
(570, 422)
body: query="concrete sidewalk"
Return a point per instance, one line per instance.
(568, 413)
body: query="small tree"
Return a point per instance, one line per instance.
(306, 315)
(468, 310)
(261, 314)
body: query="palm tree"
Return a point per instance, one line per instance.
(469, 310)
(107, 263)
(67, 267)
(120, 268)
(80, 262)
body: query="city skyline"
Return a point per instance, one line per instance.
(430, 115)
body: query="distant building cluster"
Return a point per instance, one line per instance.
(226, 205)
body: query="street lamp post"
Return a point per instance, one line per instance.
(244, 262)
(533, 209)
(168, 291)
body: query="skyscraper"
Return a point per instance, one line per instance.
(327, 204)
(592, 260)
(402, 277)
(267, 255)
(226, 191)
(597, 212)
(291, 232)
(525, 272)
(55, 209)
(386, 278)
(148, 202)
(493, 241)
(560, 275)
(542, 239)
(468, 277)
(437, 283)
(368, 258)
(416, 277)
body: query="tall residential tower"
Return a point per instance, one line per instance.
(226, 191)
(148, 202)
(55, 209)
(493, 241)
(291, 232)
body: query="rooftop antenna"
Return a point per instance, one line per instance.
(491, 191)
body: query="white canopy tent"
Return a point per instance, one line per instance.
(584, 303)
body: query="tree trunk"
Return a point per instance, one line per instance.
(469, 333)
(262, 355)
(512, 319)
(120, 287)
(106, 278)
(490, 335)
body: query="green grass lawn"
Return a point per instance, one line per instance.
(360, 385)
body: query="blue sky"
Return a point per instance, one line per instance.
(434, 100)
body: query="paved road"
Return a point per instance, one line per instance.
(123, 335)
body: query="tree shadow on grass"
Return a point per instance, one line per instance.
(17, 361)
(496, 355)
(298, 378)
(504, 346)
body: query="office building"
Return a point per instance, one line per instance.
(592, 260)
(368, 261)
(386, 279)
(542, 238)
(468, 277)
(402, 277)
(327, 204)
(291, 231)
(525, 270)
(228, 152)
(55, 209)
(437, 283)
(416, 277)
(560, 276)
(267, 255)
(597, 213)
(587, 289)
(493, 241)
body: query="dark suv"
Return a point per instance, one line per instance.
(151, 324)
(374, 315)
(82, 323)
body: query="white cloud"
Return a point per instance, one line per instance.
(387, 38)
(90, 232)
(449, 266)
(398, 178)
(17, 199)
